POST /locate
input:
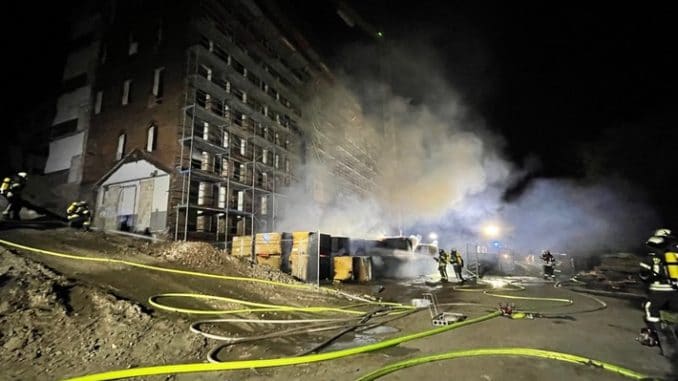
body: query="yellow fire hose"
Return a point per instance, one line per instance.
(557, 300)
(261, 307)
(266, 363)
(524, 352)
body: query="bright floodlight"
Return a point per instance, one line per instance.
(491, 230)
(433, 236)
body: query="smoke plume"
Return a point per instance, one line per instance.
(437, 168)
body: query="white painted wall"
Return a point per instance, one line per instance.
(128, 203)
(134, 171)
(69, 105)
(75, 172)
(61, 152)
(160, 194)
(124, 185)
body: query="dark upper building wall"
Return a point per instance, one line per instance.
(140, 22)
(160, 29)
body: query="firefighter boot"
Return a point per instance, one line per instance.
(648, 337)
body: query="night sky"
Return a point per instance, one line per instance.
(589, 91)
(34, 45)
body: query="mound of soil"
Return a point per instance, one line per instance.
(56, 327)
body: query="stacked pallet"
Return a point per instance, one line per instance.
(268, 248)
(299, 256)
(242, 246)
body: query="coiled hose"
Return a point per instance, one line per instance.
(286, 361)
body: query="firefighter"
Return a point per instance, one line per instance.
(11, 189)
(79, 215)
(443, 259)
(549, 264)
(457, 264)
(660, 270)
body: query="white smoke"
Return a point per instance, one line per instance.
(439, 169)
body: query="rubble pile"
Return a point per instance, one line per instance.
(50, 325)
(616, 272)
(190, 254)
(261, 271)
(204, 256)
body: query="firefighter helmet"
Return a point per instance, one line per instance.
(662, 233)
(655, 241)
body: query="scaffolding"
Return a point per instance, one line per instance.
(239, 135)
(235, 147)
(339, 143)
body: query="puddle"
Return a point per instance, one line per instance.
(357, 340)
(380, 330)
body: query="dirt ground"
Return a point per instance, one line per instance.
(61, 318)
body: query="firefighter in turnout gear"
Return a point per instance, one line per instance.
(457, 264)
(11, 189)
(79, 215)
(660, 270)
(549, 264)
(443, 260)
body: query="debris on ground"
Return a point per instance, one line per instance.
(616, 272)
(61, 317)
(204, 256)
(190, 255)
(50, 325)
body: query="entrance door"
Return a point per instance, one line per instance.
(126, 203)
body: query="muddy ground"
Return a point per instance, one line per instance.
(61, 318)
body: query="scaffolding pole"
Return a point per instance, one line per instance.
(190, 160)
(228, 182)
(254, 176)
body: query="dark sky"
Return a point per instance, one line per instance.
(590, 91)
(33, 45)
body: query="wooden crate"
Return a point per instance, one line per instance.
(299, 264)
(242, 246)
(268, 243)
(273, 261)
(362, 269)
(300, 242)
(343, 268)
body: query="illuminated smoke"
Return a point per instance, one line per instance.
(447, 172)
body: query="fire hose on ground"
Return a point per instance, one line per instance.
(360, 316)
(522, 352)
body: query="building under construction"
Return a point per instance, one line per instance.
(198, 115)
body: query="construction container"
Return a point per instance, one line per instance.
(343, 268)
(340, 246)
(360, 247)
(268, 243)
(299, 257)
(362, 269)
(300, 268)
(242, 246)
(286, 247)
(325, 257)
(310, 257)
(274, 260)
